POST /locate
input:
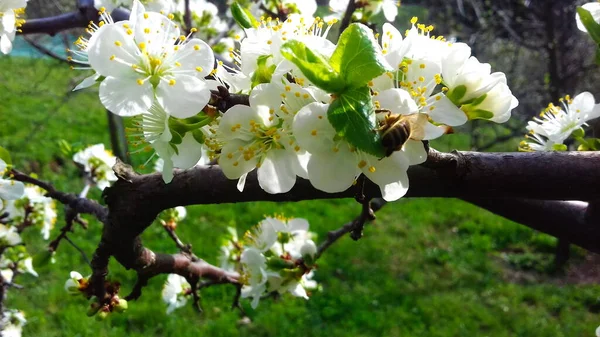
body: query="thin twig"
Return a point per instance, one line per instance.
(347, 19)
(367, 214)
(184, 248)
(81, 251)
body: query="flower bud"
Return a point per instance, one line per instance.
(102, 315)
(308, 252)
(121, 305)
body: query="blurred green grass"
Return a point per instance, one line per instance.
(426, 267)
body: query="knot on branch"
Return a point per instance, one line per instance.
(124, 171)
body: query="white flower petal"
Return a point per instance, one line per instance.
(184, 97)
(190, 152)
(241, 115)
(235, 166)
(398, 101)
(445, 112)
(87, 82)
(312, 130)
(276, 173)
(332, 171)
(125, 97)
(11, 190)
(415, 152)
(111, 52)
(197, 57)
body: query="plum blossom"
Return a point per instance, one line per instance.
(175, 291)
(98, 163)
(334, 164)
(259, 56)
(12, 323)
(9, 236)
(253, 137)
(9, 189)
(76, 283)
(555, 124)
(11, 12)
(268, 260)
(175, 150)
(41, 210)
(145, 60)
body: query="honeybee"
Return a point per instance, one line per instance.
(396, 129)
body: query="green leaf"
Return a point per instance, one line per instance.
(4, 155)
(590, 24)
(242, 16)
(314, 66)
(352, 116)
(358, 57)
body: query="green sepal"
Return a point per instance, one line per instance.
(352, 116)
(559, 147)
(479, 114)
(263, 72)
(198, 136)
(590, 24)
(579, 133)
(456, 94)
(358, 57)
(243, 17)
(276, 263)
(314, 66)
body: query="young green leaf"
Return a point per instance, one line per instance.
(358, 57)
(353, 117)
(242, 16)
(314, 66)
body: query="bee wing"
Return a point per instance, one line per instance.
(417, 125)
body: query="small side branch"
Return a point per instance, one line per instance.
(355, 226)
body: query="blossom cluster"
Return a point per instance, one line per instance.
(328, 126)
(33, 208)
(19, 205)
(97, 164)
(555, 125)
(276, 256)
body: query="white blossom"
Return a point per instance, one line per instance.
(175, 292)
(42, 210)
(97, 162)
(253, 138)
(75, 283)
(11, 12)
(146, 60)
(9, 189)
(12, 323)
(334, 164)
(556, 124)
